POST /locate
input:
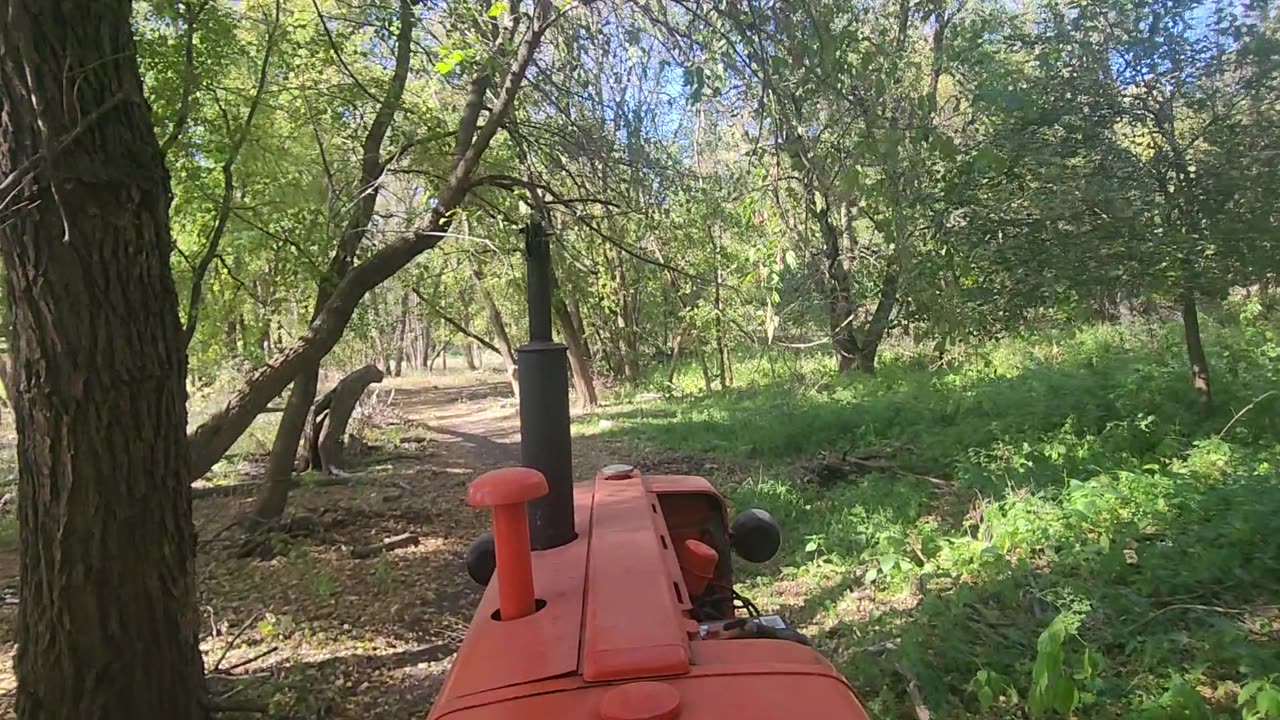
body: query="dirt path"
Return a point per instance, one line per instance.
(368, 639)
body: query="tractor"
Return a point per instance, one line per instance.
(614, 599)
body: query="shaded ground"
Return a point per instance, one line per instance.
(316, 634)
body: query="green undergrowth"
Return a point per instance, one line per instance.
(1064, 532)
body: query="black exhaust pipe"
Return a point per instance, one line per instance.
(544, 402)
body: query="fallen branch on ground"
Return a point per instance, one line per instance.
(1246, 409)
(232, 643)
(392, 543)
(913, 690)
(1206, 608)
(239, 664)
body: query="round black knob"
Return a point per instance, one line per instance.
(755, 535)
(481, 559)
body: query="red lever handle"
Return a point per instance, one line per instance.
(506, 491)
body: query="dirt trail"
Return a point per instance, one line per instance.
(368, 639)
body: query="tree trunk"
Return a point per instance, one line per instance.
(332, 413)
(576, 313)
(424, 352)
(441, 353)
(627, 346)
(107, 621)
(501, 337)
(404, 328)
(1195, 351)
(273, 495)
(469, 354)
(706, 371)
(674, 363)
(583, 382)
(722, 349)
(879, 324)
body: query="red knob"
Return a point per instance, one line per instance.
(506, 491)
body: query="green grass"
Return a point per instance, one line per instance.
(1101, 551)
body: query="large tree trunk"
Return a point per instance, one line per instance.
(107, 623)
(1195, 350)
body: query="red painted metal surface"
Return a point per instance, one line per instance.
(616, 640)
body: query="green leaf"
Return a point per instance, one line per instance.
(498, 8)
(449, 62)
(945, 146)
(987, 159)
(986, 698)
(851, 180)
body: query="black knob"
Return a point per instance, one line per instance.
(755, 535)
(481, 559)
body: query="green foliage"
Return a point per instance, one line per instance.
(1098, 547)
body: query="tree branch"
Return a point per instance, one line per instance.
(188, 80)
(201, 269)
(454, 323)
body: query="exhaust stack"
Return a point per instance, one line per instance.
(544, 402)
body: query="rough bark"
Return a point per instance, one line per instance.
(273, 494)
(107, 618)
(1200, 381)
(331, 415)
(469, 354)
(213, 438)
